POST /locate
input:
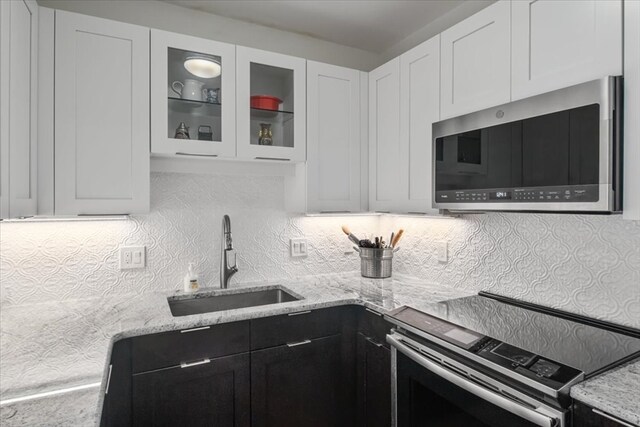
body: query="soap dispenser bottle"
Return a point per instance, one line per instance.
(191, 280)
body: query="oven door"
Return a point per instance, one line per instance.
(432, 390)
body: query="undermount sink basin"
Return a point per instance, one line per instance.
(227, 300)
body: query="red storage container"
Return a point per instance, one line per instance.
(265, 102)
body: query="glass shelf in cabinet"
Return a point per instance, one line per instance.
(261, 112)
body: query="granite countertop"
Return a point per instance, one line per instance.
(53, 346)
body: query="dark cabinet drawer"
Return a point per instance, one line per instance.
(295, 327)
(586, 416)
(374, 326)
(168, 349)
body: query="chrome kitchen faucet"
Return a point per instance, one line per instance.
(228, 264)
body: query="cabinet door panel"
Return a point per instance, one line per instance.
(419, 109)
(560, 43)
(475, 69)
(102, 116)
(300, 385)
(18, 84)
(631, 156)
(211, 394)
(385, 161)
(333, 138)
(374, 383)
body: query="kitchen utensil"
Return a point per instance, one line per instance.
(265, 136)
(396, 249)
(190, 89)
(265, 102)
(357, 249)
(205, 133)
(397, 238)
(211, 95)
(376, 263)
(391, 238)
(351, 237)
(182, 132)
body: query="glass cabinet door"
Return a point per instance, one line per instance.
(192, 96)
(271, 100)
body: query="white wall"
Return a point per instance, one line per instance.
(169, 17)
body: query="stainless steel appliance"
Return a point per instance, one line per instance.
(559, 151)
(488, 361)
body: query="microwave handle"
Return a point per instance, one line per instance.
(502, 402)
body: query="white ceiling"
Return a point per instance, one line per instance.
(373, 25)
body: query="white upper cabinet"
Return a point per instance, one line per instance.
(631, 179)
(560, 43)
(419, 109)
(190, 78)
(333, 138)
(101, 116)
(475, 68)
(271, 105)
(18, 108)
(385, 161)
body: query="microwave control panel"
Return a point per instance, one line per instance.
(559, 194)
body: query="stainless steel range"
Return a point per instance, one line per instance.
(489, 361)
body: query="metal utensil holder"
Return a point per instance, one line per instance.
(376, 263)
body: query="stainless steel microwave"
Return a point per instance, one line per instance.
(555, 152)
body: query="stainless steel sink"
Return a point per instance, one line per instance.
(223, 300)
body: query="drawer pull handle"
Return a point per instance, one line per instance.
(374, 342)
(299, 313)
(295, 344)
(204, 328)
(611, 417)
(106, 389)
(199, 362)
(373, 311)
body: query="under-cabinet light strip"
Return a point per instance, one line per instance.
(48, 393)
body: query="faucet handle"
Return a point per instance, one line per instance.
(232, 262)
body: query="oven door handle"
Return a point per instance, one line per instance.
(508, 405)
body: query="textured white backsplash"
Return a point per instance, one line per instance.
(584, 264)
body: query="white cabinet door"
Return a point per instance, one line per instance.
(333, 138)
(559, 43)
(101, 116)
(419, 109)
(475, 68)
(631, 197)
(171, 106)
(283, 126)
(18, 108)
(385, 161)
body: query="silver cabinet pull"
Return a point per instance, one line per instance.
(611, 417)
(273, 158)
(295, 344)
(179, 153)
(106, 389)
(184, 331)
(299, 313)
(199, 362)
(373, 311)
(374, 342)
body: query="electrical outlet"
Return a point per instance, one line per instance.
(132, 257)
(298, 247)
(443, 251)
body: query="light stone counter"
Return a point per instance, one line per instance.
(52, 346)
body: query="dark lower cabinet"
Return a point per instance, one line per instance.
(584, 416)
(215, 394)
(116, 409)
(300, 384)
(374, 383)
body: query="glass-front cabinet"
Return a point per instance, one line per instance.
(192, 96)
(271, 106)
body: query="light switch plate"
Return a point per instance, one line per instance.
(298, 247)
(132, 257)
(443, 251)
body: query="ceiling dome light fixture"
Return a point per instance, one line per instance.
(206, 68)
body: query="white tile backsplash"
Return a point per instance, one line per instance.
(582, 263)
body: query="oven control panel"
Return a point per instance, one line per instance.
(558, 194)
